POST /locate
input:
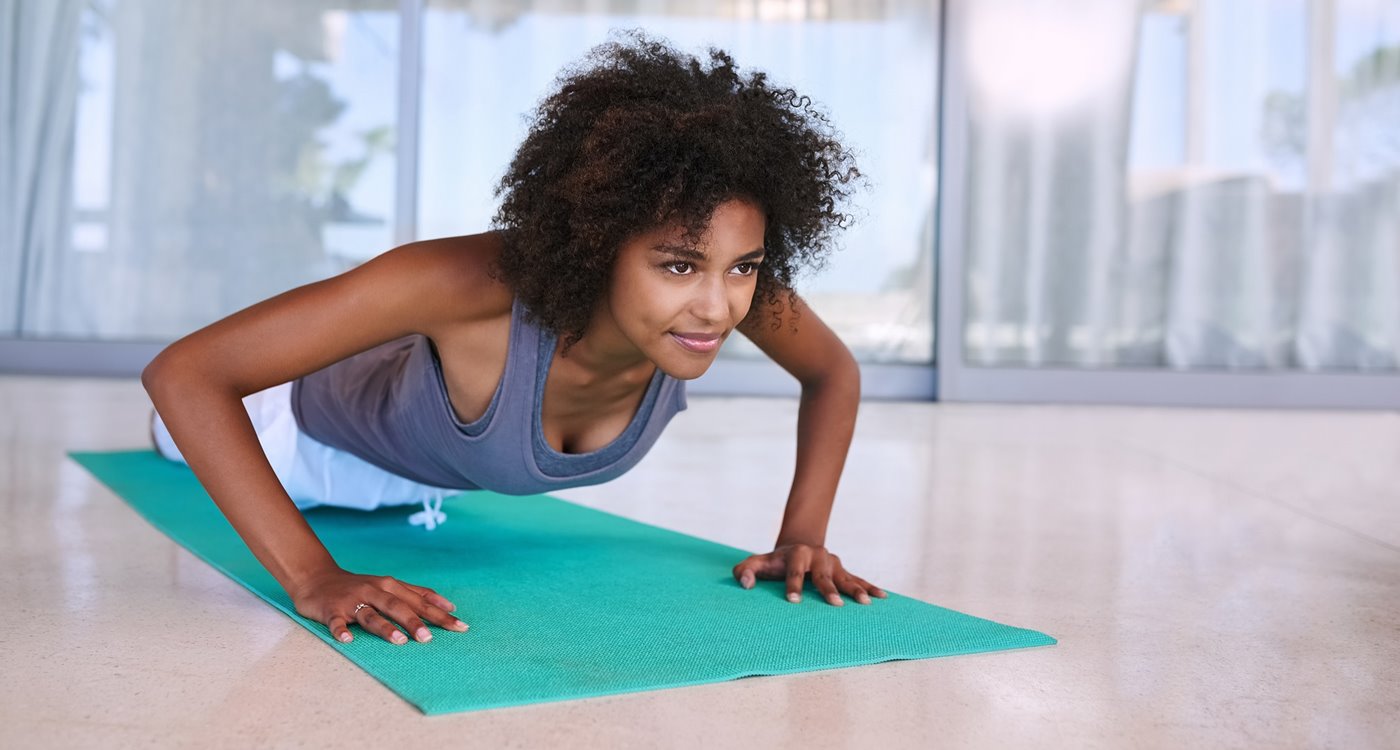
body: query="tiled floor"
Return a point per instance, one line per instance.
(1216, 578)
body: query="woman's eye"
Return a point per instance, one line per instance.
(745, 269)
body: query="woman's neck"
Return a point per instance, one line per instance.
(604, 358)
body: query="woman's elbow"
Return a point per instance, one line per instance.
(842, 373)
(161, 370)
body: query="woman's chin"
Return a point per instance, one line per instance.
(686, 370)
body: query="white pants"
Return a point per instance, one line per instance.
(314, 473)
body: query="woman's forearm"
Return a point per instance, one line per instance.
(216, 437)
(826, 420)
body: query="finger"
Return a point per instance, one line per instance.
(744, 574)
(771, 565)
(824, 568)
(873, 589)
(390, 605)
(760, 566)
(424, 607)
(436, 599)
(339, 631)
(798, 563)
(440, 618)
(851, 585)
(821, 578)
(370, 620)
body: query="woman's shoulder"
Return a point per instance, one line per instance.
(461, 267)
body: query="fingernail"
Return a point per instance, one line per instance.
(423, 635)
(459, 625)
(794, 598)
(345, 637)
(398, 637)
(864, 599)
(837, 601)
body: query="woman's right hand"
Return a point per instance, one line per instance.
(330, 598)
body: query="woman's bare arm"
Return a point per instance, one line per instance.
(197, 383)
(811, 352)
(830, 379)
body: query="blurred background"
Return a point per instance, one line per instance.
(1172, 201)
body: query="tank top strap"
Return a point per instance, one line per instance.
(522, 369)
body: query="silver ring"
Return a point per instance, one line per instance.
(357, 608)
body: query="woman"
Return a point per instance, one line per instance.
(653, 208)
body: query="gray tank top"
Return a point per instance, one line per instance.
(389, 406)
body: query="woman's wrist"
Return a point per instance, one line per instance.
(300, 580)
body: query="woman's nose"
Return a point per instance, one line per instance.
(712, 301)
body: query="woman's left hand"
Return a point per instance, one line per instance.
(794, 561)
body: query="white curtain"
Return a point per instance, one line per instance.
(38, 97)
(206, 137)
(1186, 185)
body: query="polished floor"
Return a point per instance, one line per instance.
(1216, 578)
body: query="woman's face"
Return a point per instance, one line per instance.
(677, 306)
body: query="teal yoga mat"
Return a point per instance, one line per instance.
(564, 601)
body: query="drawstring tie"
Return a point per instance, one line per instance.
(430, 516)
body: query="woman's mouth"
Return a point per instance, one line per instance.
(699, 343)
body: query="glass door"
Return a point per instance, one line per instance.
(1172, 202)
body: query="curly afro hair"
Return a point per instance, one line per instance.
(646, 137)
